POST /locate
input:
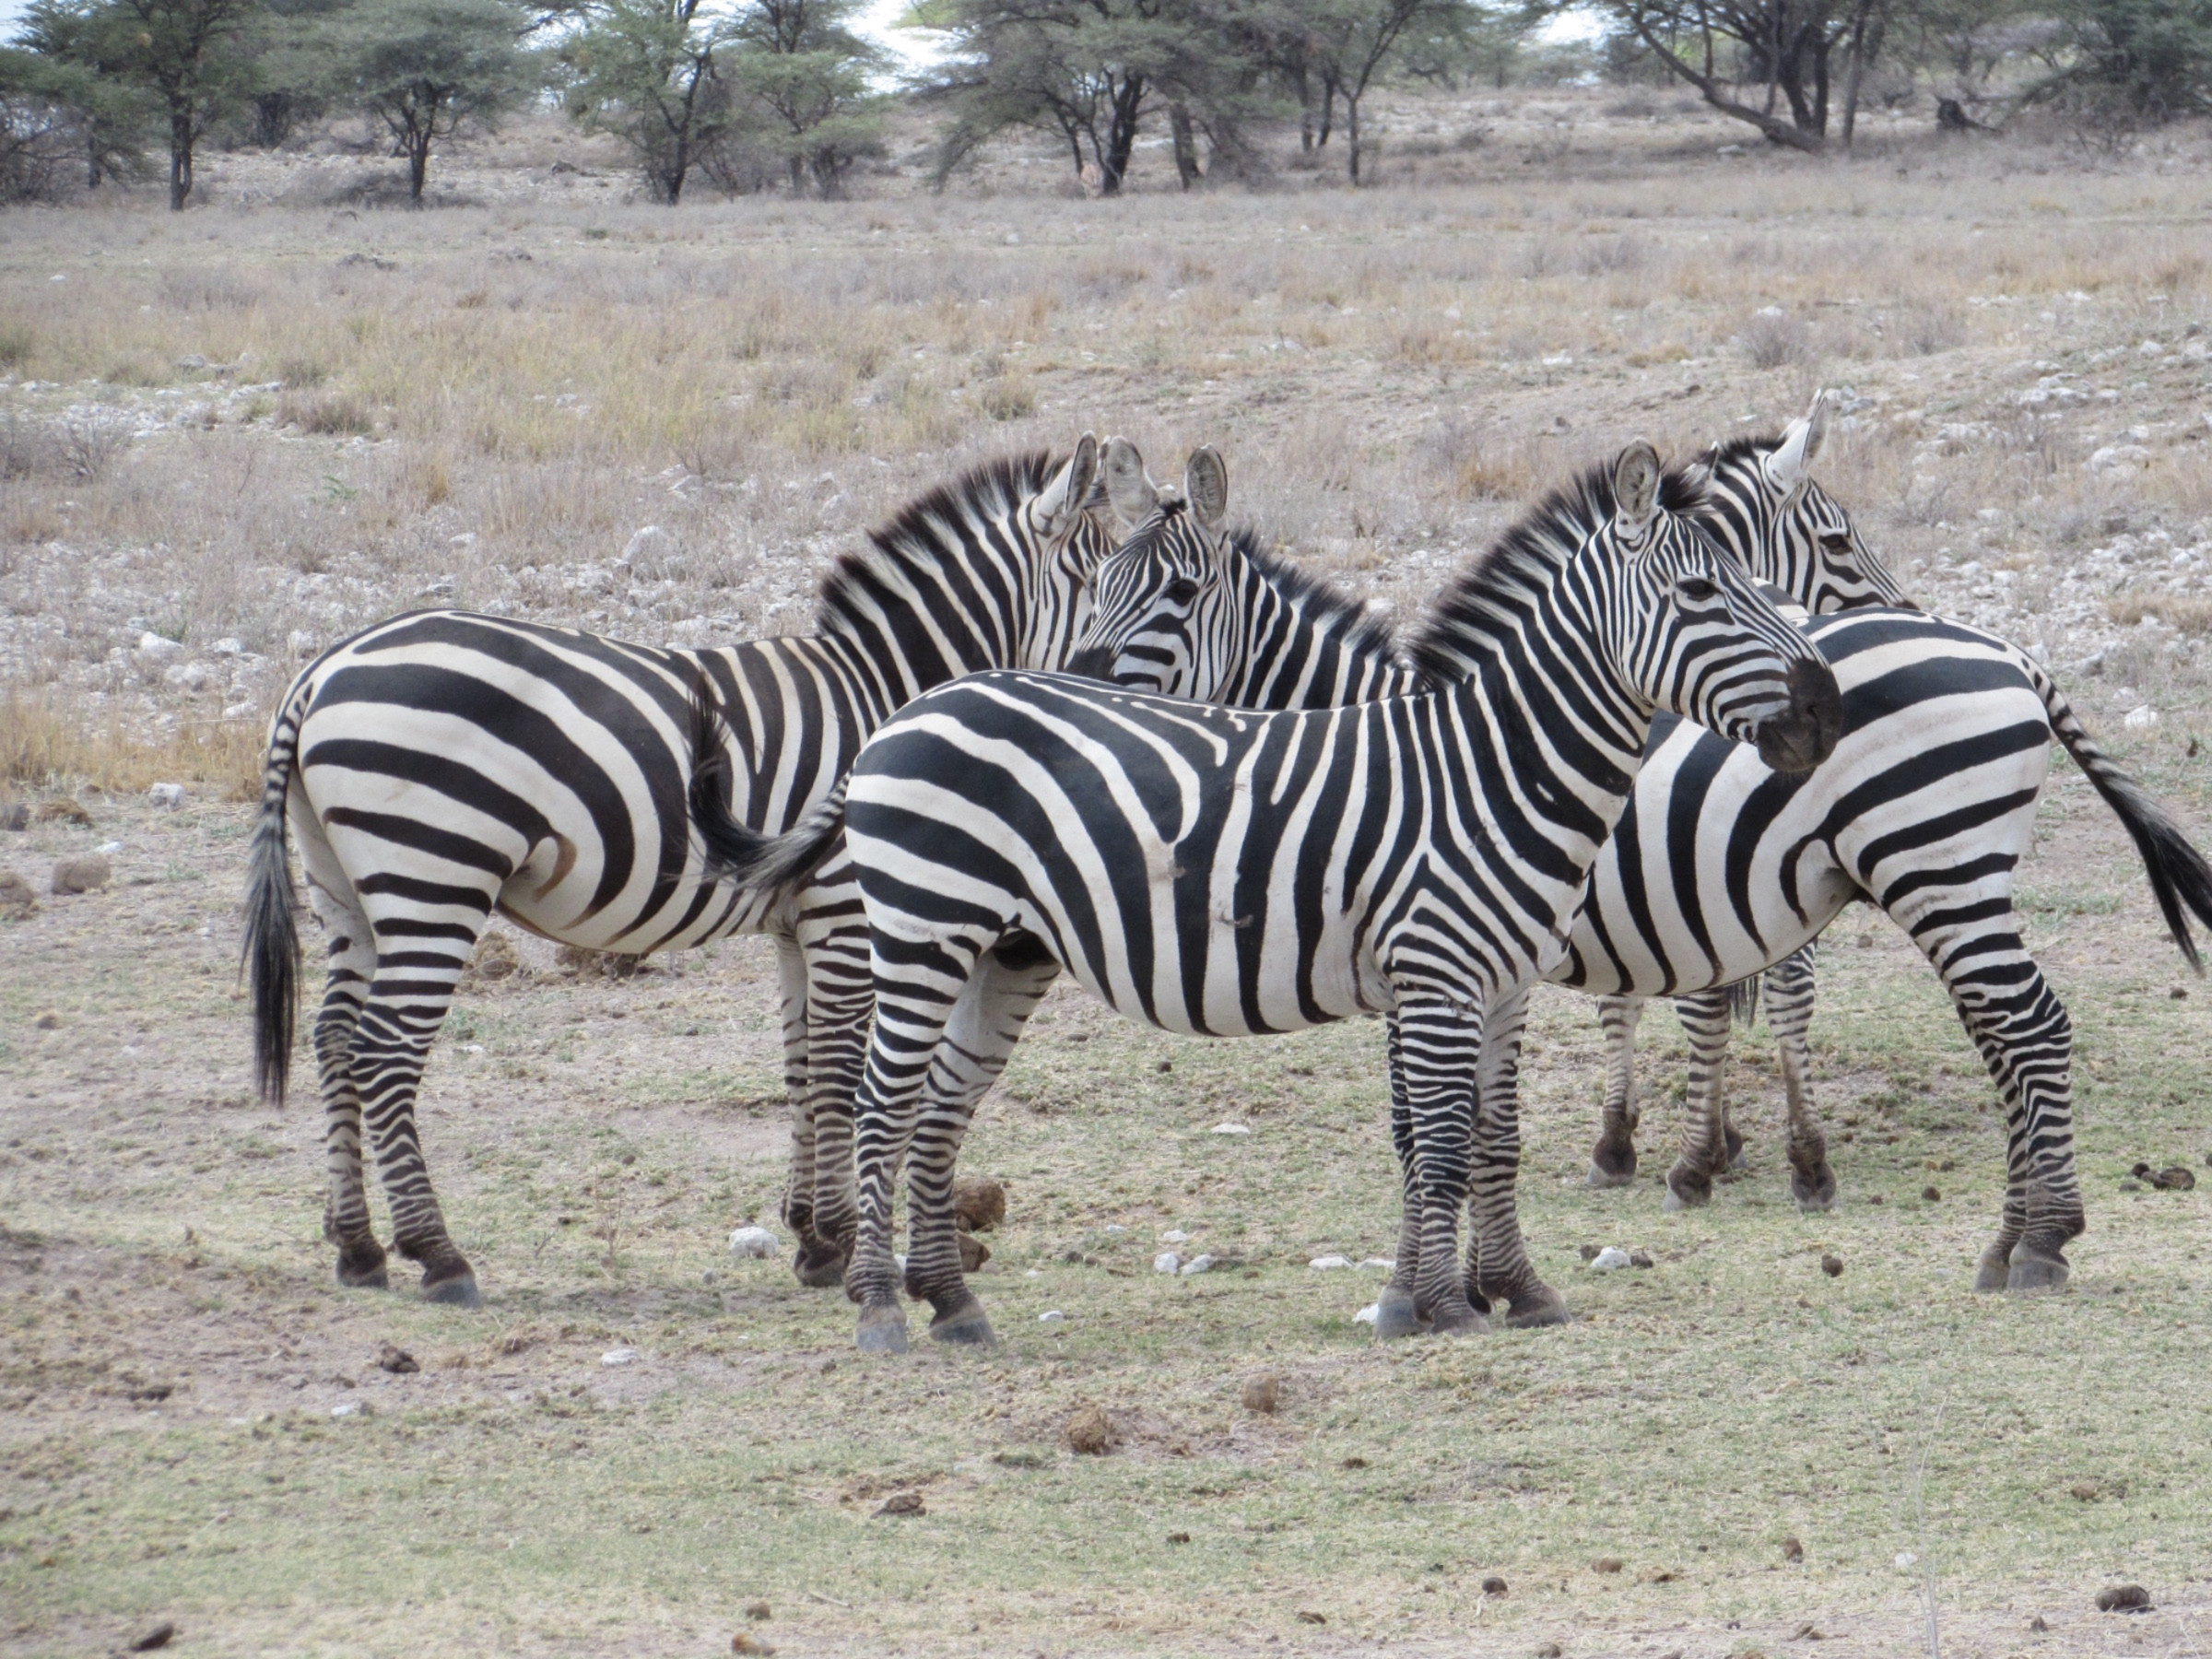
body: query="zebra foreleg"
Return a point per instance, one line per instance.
(986, 1023)
(1441, 1048)
(1395, 1313)
(1500, 1270)
(1789, 998)
(1613, 1160)
(1703, 1153)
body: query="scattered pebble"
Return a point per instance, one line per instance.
(346, 1408)
(1831, 1264)
(753, 1244)
(1174, 1235)
(745, 1642)
(84, 873)
(1329, 1262)
(1611, 1259)
(62, 812)
(1808, 1632)
(1198, 1263)
(622, 1355)
(1876, 1198)
(1792, 1551)
(1659, 1575)
(1384, 1263)
(2123, 1598)
(1165, 1065)
(1230, 1129)
(2179, 993)
(1167, 1261)
(1262, 1393)
(1089, 1430)
(902, 1503)
(1493, 1585)
(978, 1201)
(166, 797)
(1050, 1316)
(1368, 1314)
(396, 1360)
(1608, 1564)
(153, 1636)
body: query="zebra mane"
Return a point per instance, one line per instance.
(1522, 561)
(915, 542)
(1330, 608)
(1724, 453)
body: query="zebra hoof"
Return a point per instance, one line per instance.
(1534, 1309)
(1734, 1141)
(1612, 1167)
(1460, 1320)
(1814, 1192)
(1995, 1270)
(364, 1269)
(458, 1291)
(1687, 1190)
(969, 1327)
(817, 1265)
(1396, 1317)
(2031, 1273)
(882, 1331)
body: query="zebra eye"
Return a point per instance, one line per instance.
(1836, 544)
(1698, 590)
(1181, 591)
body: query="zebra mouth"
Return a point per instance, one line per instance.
(1093, 663)
(1802, 738)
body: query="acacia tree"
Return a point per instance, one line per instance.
(645, 71)
(192, 56)
(1785, 44)
(802, 74)
(68, 88)
(427, 69)
(1349, 41)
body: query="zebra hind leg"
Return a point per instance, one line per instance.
(841, 1000)
(1705, 1018)
(1439, 1046)
(986, 1023)
(1613, 1160)
(1789, 997)
(811, 1264)
(352, 952)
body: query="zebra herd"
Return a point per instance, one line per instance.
(1228, 801)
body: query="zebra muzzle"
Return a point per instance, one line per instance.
(1804, 736)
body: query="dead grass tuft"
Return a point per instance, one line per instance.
(42, 746)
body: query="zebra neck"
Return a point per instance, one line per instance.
(1305, 657)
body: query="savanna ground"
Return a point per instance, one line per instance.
(232, 435)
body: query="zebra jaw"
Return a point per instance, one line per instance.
(1796, 742)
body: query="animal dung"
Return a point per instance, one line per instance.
(1089, 1430)
(396, 1360)
(2175, 1178)
(84, 873)
(1262, 1393)
(1831, 1264)
(2123, 1598)
(902, 1503)
(978, 1201)
(1792, 1551)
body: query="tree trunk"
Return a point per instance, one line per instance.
(1120, 137)
(1351, 134)
(679, 165)
(1863, 48)
(1328, 111)
(798, 176)
(180, 161)
(1305, 114)
(1186, 144)
(418, 165)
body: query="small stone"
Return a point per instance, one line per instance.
(757, 1611)
(1230, 1129)
(1865, 941)
(84, 873)
(1368, 1314)
(753, 1244)
(153, 1636)
(1493, 1585)
(2179, 993)
(166, 797)
(2123, 1598)
(622, 1355)
(1198, 1263)
(1167, 1261)
(1307, 1616)
(1329, 1262)
(978, 1201)
(1089, 1430)
(1659, 1575)
(1174, 1235)
(1354, 1462)
(396, 1360)
(1931, 1194)
(349, 1408)
(2038, 1624)
(1611, 1259)
(1050, 1316)
(1262, 1393)
(1792, 1551)
(902, 1503)
(1876, 1198)
(48, 1021)
(1372, 1262)
(745, 1642)
(1608, 1564)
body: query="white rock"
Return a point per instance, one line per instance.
(1384, 1263)
(1167, 1261)
(1174, 1235)
(1368, 1314)
(2140, 718)
(1611, 1259)
(302, 643)
(155, 649)
(1906, 1560)
(622, 1355)
(1050, 1316)
(1198, 1263)
(1326, 1263)
(753, 1244)
(1230, 1129)
(229, 647)
(167, 796)
(349, 1408)
(1115, 1229)
(238, 710)
(112, 848)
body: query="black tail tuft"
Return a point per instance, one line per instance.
(735, 850)
(2181, 879)
(271, 952)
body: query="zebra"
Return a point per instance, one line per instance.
(443, 763)
(1719, 868)
(1223, 873)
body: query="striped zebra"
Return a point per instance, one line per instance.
(444, 764)
(1224, 873)
(1720, 867)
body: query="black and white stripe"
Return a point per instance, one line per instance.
(1225, 873)
(444, 764)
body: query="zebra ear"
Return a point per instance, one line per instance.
(1800, 442)
(1816, 425)
(1636, 485)
(1206, 483)
(1069, 492)
(1134, 496)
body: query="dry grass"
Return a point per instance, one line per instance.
(45, 748)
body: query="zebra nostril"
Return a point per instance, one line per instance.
(1093, 663)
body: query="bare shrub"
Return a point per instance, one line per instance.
(1774, 339)
(91, 444)
(1926, 329)
(15, 343)
(333, 415)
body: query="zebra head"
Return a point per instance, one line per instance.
(1066, 544)
(1165, 604)
(1695, 635)
(1763, 505)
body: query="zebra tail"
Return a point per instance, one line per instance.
(2181, 879)
(1743, 1000)
(735, 850)
(270, 956)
